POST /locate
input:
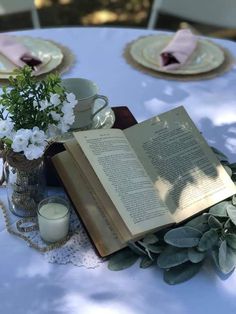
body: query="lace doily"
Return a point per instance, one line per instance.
(77, 250)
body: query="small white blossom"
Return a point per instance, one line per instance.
(34, 151)
(55, 116)
(21, 140)
(35, 104)
(55, 99)
(68, 118)
(70, 97)
(44, 104)
(6, 127)
(63, 127)
(52, 131)
(38, 137)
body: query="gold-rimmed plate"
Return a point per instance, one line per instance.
(206, 57)
(50, 55)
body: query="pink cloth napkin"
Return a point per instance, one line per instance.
(16, 52)
(179, 49)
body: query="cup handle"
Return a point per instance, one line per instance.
(102, 107)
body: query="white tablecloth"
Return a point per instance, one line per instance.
(30, 285)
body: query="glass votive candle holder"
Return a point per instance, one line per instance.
(53, 218)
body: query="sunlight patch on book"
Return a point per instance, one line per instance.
(149, 176)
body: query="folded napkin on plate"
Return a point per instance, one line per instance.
(179, 49)
(17, 52)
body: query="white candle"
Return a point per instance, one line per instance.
(53, 219)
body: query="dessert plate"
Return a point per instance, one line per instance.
(206, 57)
(50, 55)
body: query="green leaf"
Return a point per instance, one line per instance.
(231, 240)
(228, 170)
(154, 248)
(183, 237)
(150, 239)
(228, 224)
(200, 223)
(231, 210)
(215, 256)
(234, 200)
(122, 260)
(181, 273)
(227, 258)
(147, 262)
(213, 222)
(172, 256)
(195, 256)
(208, 240)
(137, 249)
(233, 167)
(220, 209)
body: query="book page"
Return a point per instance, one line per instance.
(180, 163)
(124, 179)
(101, 232)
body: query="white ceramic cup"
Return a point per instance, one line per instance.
(86, 93)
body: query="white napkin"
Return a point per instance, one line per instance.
(179, 49)
(16, 52)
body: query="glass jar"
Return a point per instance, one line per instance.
(25, 187)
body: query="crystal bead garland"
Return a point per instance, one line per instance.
(25, 182)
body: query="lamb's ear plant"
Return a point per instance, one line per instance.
(180, 252)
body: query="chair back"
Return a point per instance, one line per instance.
(212, 12)
(17, 6)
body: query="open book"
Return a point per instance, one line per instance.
(125, 184)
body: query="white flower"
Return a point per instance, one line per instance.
(44, 104)
(52, 131)
(38, 137)
(35, 104)
(34, 151)
(55, 116)
(68, 118)
(20, 141)
(64, 127)
(6, 127)
(55, 99)
(70, 97)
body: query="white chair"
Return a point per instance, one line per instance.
(212, 12)
(17, 6)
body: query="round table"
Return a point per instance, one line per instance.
(29, 284)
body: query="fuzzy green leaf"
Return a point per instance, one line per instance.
(227, 258)
(233, 167)
(213, 222)
(137, 249)
(183, 237)
(231, 240)
(195, 256)
(220, 209)
(208, 240)
(228, 170)
(122, 260)
(154, 248)
(172, 256)
(147, 262)
(150, 239)
(181, 273)
(215, 256)
(234, 200)
(231, 210)
(200, 223)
